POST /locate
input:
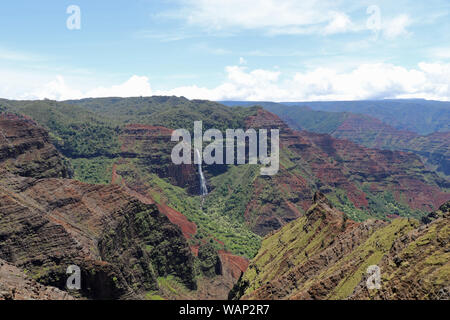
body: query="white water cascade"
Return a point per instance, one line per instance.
(203, 188)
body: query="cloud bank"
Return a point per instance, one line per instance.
(58, 89)
(368, 81)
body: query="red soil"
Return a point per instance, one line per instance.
(235, 264)
(188, 228)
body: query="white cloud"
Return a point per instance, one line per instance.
(288, 17)
(58, 89)
(240, 85)
(276, 16)
(396, 27)
(367, 81)
(55, 90)
(339, 24)
(134, 87)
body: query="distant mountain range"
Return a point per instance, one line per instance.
(416, 115)
(418, 126)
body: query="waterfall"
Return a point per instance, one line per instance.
(203, 188)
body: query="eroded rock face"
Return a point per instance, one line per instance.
(373, 133)
(15, 285)
(46, 224)
(25, 149)
(353, 175)
(312, 162)
(323, 255)
(151, 148)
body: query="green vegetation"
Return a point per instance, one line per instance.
(157, 247)
(386, 203)
(93, 170)
(208, 260)
(153, 295)
(381, 205)
(170, 112)
(213, 222)
(372, 250)
(299, 244)
(171, 286)
(232, 191)
(76, 132)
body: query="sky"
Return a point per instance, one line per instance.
(257, 50)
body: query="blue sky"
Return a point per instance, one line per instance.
(226, 49)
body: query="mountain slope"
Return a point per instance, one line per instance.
(360, 181)
(433, 148)
(25, 149)
(75, 131)
(170, 112)
(47, 224)
(323, 255)
(368, 131)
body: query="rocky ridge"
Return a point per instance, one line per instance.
(324, 255)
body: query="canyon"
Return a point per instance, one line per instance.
(91, 183)
(48, 222)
